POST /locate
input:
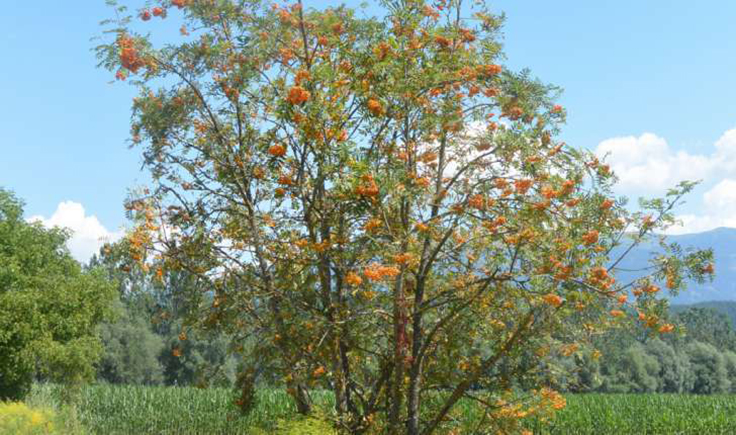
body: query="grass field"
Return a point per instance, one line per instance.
(171, 410)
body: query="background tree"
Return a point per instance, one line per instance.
(674, 367)
(149, 343)
(708, 326)
(708, 369)
(381, 204)
(49, 306)
(729, 359)
(634, 371)
(131, 350)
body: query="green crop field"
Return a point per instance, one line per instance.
(645, 414)
(172, 410)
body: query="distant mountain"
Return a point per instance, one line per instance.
(723, 242)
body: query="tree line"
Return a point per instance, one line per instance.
(701, 359)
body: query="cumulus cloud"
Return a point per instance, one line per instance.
(647, 165)
(88, 234)
(718, 210)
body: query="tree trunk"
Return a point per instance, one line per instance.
(397, 393)
(415, 382)
(301, 398)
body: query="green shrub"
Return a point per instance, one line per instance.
(306, 426)
(17, 418)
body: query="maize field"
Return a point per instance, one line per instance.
(106, 409)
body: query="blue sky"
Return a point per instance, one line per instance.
(652, 82)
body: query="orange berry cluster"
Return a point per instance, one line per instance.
(378, 272)
(590, 237)
(368, 188)
(552, 299)
(404, 258)
(522, 186)
(298, 95)
(477, 202)
(375, 107)
(156, 12)
(648, 288)
(129, 55)
(489, 70)
(277, 150)
(353, 279)
(599, 277)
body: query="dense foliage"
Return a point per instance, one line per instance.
(49, 306)
(381, 204)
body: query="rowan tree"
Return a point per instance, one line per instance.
(382, 204)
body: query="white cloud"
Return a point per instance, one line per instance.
(88, 233)
(646, 165)
(726, 151)
(722, 197)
